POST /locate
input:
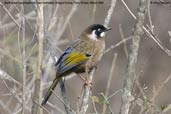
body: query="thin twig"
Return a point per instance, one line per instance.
(4, 75)
(6, 109)
(2, 51)
(117, 44)
(11, 24)
(109, 81)
(107, 103)
(94, 11)
(146, 102)
(5, 17)
(149, 32)
(24, 59)
(10, 15)
(58, 97)
(41, 106)
(160, 87)
(53, 19)
(12, 93)
(149, 16)
(127, 96)
(169, 32)
(58, 109)
(123, 37)
(64, 25)
(109, 13)
(37, 93)
(113, 94)
(94, 105)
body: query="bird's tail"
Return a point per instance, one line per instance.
(49, 93)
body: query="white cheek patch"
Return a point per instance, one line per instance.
(102, 34)
(93, 35)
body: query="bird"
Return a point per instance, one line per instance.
(80, 56)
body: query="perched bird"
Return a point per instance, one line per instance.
(81, 56)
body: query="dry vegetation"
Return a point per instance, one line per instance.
(132, 78)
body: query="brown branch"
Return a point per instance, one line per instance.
(127, 96)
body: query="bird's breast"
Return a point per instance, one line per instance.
(97, 50)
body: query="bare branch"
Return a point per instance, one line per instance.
(58, 97)
(160, 87)
(64, 25)
(4, 75)
(86, 94)
(41, 107)
(10, 56)
(11, 24)
(123, 38)
(24, 59)
(149, 32)
(117, 44)
(9, 14)
(127, 96)
(37, 93)
(109, 14)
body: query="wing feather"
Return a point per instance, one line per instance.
(70, 60)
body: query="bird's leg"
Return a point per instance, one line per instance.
(82, 78)
(85, 81)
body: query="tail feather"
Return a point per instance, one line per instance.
(49, 93)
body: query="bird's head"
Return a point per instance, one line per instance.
(96, 31)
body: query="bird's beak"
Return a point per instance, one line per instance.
(107, 29)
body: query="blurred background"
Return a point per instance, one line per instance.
(153, 66)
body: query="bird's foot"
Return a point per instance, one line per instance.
(89, 84)
(86, 82)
